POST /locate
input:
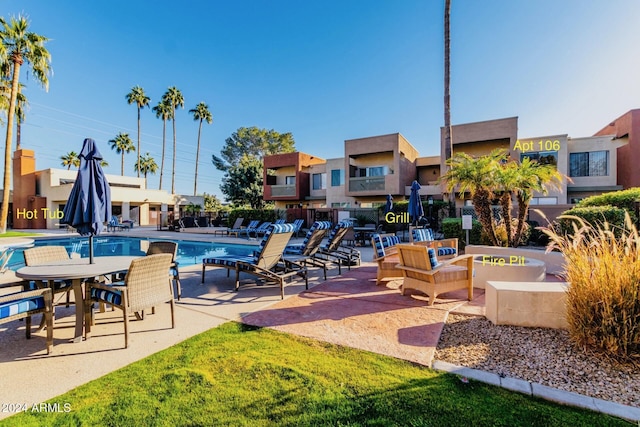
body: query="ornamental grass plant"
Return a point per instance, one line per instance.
(602, 265)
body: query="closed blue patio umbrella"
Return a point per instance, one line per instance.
(389, 205)
(89, 204)
(416, 211)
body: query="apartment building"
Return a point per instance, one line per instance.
(39, 196)
(374, 167)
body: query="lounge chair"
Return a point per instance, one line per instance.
(422, 271)
(280, 221)
(260, 230)
(165, 247)
(252, 225)
(297, 224)
(146, 285)
(337, 253)
(114, 224)
(237, 227)
(446, 248)
(24, 304)
(385, 253)
(268, 264)
(304, 252)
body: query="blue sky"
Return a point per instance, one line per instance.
(325, 71)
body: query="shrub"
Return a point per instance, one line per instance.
(624, 199)
(595, 215)
(249, 214)
(603, 300)
(452, 228)
(501, 233)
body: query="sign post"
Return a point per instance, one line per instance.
(467, 224)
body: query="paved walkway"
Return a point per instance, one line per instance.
(348, 310)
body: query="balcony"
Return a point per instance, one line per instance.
(283, 190)
(432, 188)
(370, 183)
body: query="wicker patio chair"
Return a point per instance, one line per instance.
(45, 254)
(146, 285)
(23, 305)
(267, 264)
(166, 247)
(423, 272)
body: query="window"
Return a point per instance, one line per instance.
(542, 157)
(340, 204)
(543, 201)
(376, 171)
(290, 180)
(319, 181)
(337, 177)
(592, 163)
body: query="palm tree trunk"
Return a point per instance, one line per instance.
(195, 179)
(18, 133)
(505, 204)
(4, 211)
(523, 209)
(173, 167)
(448, 146)
(164, 140)
(122, 164)
(138, 141)
(482, 206)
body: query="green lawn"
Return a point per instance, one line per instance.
(19, 234)
(243, 376)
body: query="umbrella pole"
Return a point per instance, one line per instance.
(91, 249)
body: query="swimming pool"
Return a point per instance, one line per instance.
(190, 252)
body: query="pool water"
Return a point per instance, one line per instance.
(189, 252)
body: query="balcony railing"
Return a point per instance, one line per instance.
(370, 183)
(283, 190)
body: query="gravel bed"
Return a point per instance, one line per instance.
(539, 355)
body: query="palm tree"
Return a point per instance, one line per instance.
(448, 145)
(506, 180)
(21, 105)
(70, 159)
(141, 100)
(201, 112)
(165, 112)
(122, 144)
(478, 177)
(147, 165)
(173, 97)
(21, 102)
(533, 177)
(17, 46)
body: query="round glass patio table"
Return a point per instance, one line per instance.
(77, 270)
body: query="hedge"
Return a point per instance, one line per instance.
(452, 228)
(624, 199)
(251, 214)
(594, 215)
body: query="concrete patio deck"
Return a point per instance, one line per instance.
(347, 310)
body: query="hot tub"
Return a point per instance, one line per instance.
(512, 268)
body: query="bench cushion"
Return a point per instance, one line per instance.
(21, 306)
